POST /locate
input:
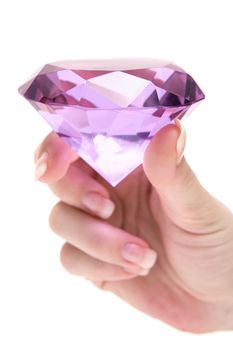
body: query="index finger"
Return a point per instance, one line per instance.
(55, 157)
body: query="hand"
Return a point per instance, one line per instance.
(158, 240)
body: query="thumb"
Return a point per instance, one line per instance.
(182, 196)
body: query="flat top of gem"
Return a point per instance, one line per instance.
(113, 83)
(112, 64)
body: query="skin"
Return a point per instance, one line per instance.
(161, 205)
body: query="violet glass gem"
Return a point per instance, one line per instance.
(109, 110)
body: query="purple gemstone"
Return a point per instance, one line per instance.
(109, 110)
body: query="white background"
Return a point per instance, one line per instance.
(42, 306)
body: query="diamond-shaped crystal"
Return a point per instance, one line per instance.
(108, 110)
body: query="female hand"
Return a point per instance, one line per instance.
(158, 240)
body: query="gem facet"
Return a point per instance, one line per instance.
(108, 110)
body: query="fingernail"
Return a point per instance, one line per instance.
(98, 204)
(41, 166)
(137, 271)
(180, 146)
(144, 257)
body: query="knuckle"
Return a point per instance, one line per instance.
(188, 178)
(102, 285)
(55, 217)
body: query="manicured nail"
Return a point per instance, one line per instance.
(144, 257)
(98, 204)
(137, 271)
(41, 166)
(180, 146)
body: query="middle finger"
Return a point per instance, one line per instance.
(99, 239)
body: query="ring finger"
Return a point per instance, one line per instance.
(99, 239)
